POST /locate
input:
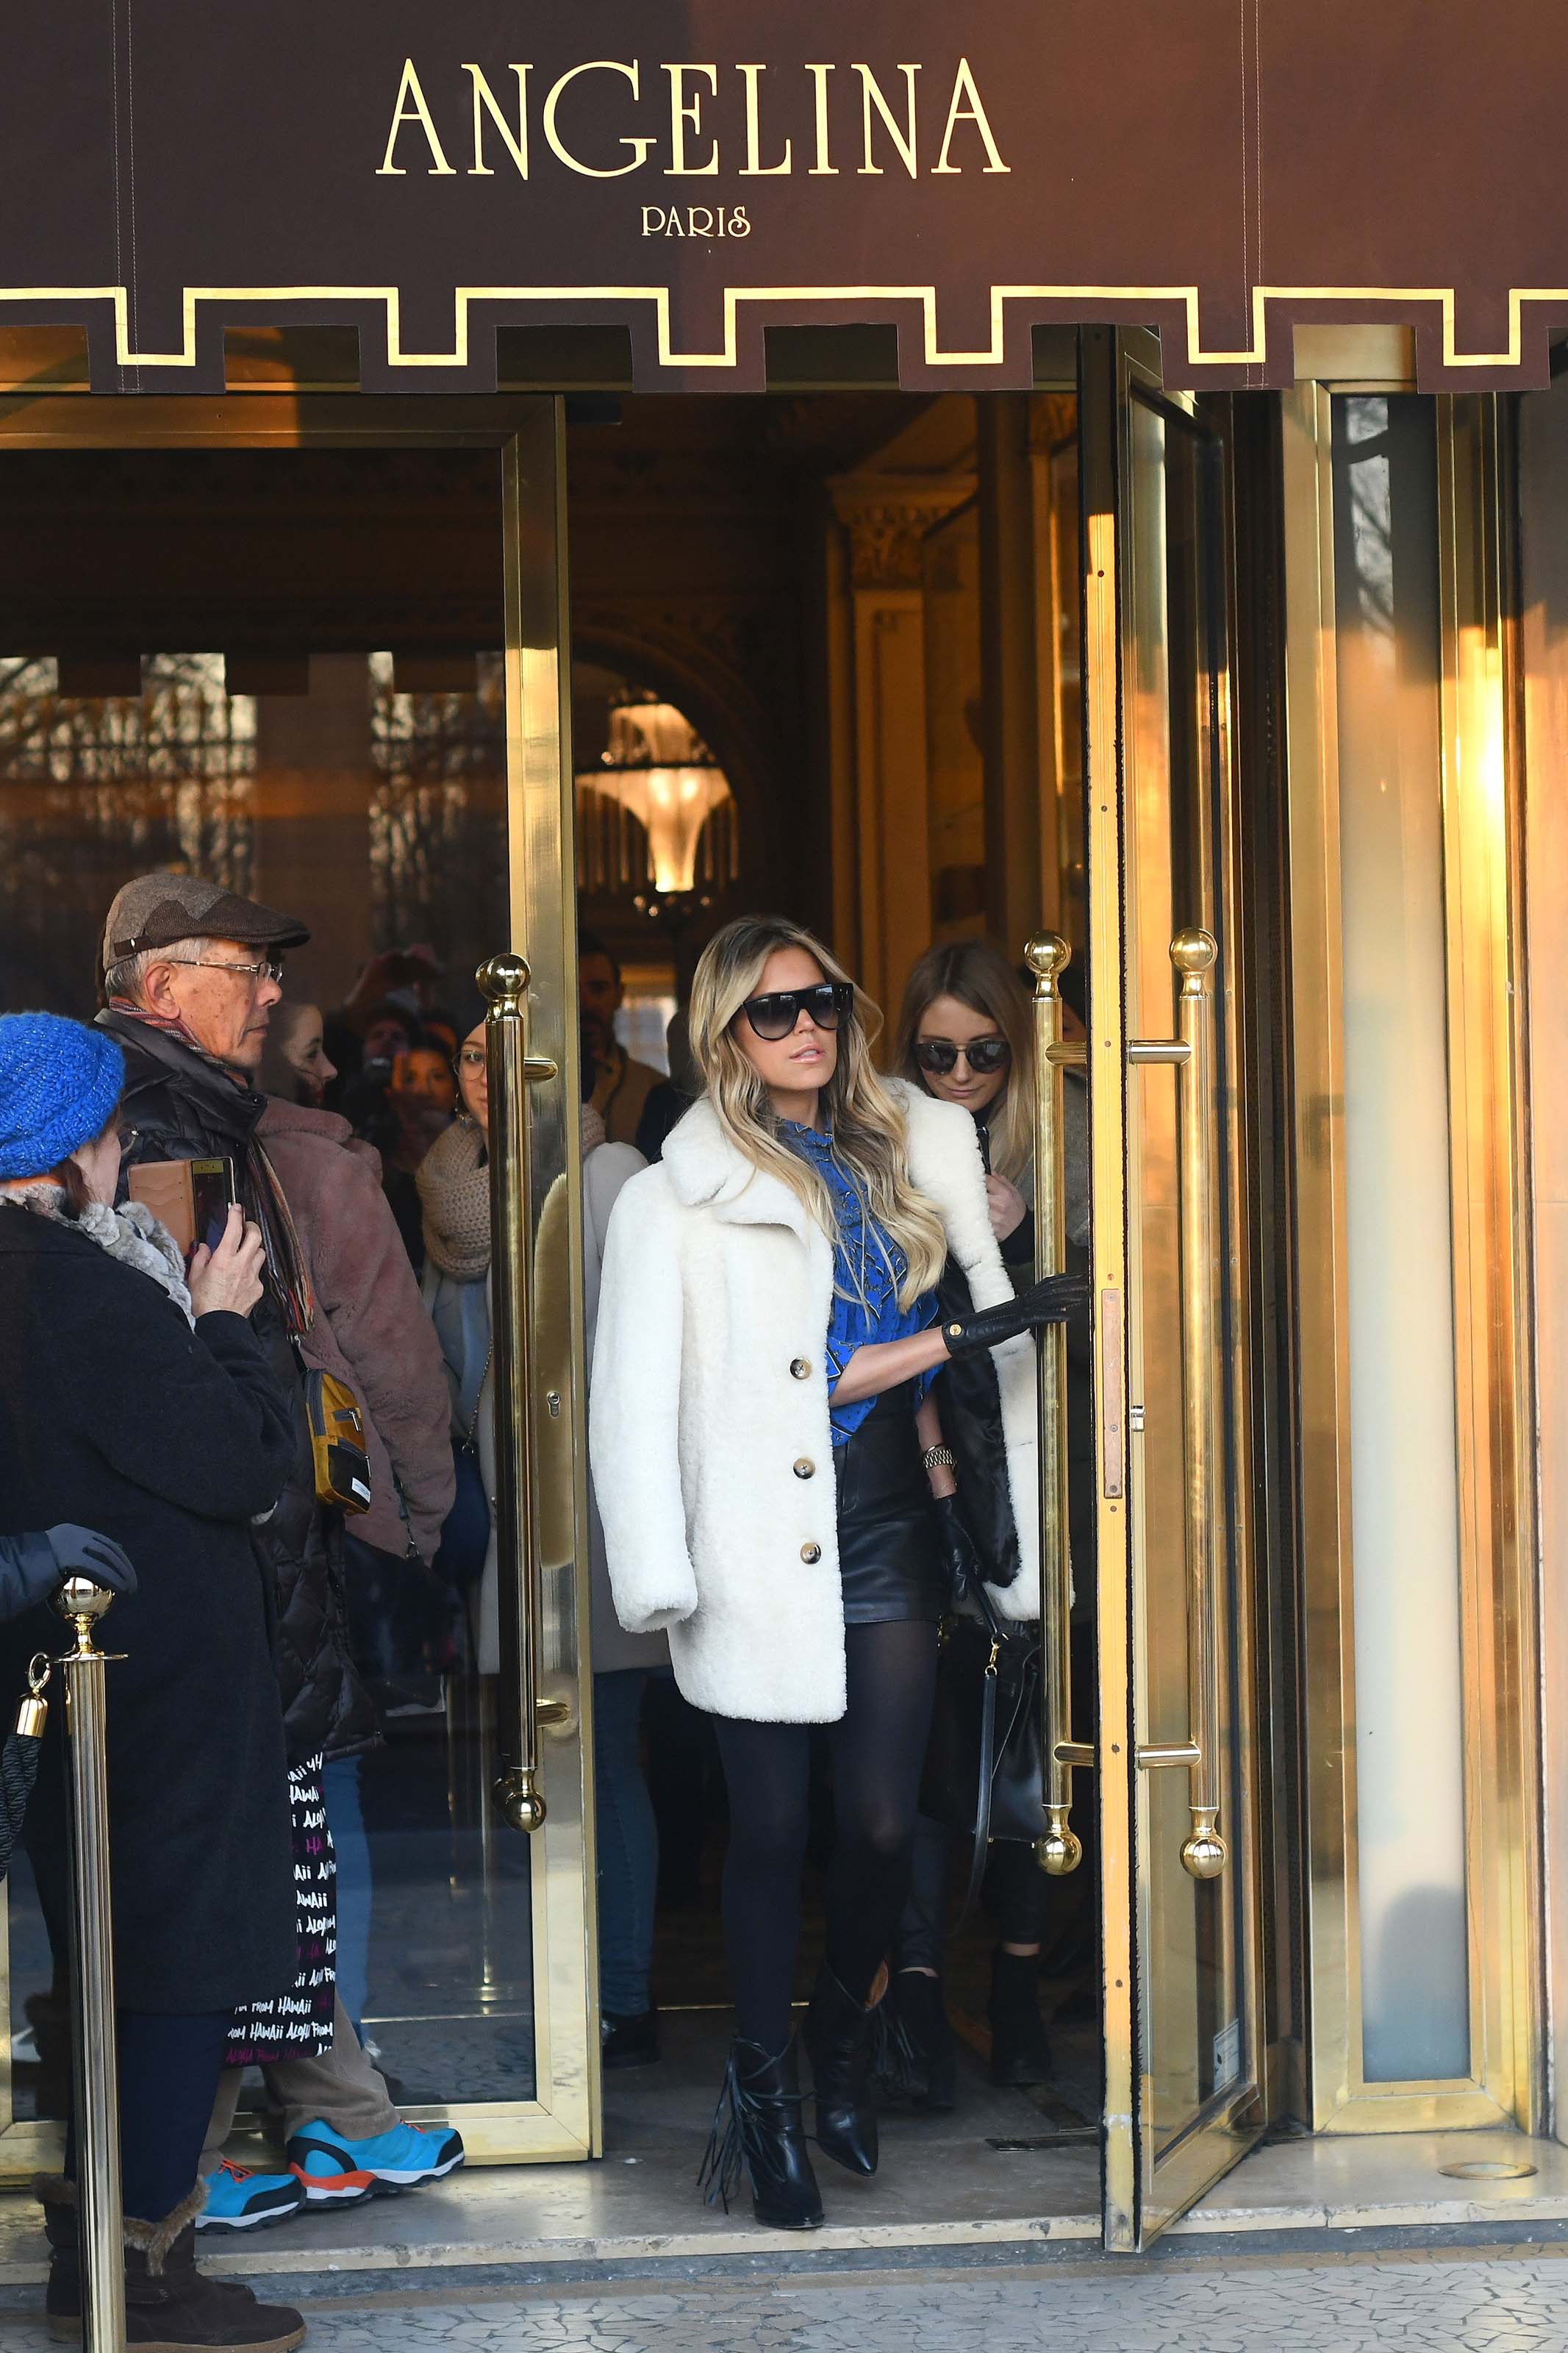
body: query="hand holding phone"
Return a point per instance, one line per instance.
(227, 1279)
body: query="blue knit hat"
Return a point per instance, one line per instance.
(59, 1083)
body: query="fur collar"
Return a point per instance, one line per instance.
(706, 1170)
(131, 1234)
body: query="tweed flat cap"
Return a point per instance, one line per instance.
(156, 910)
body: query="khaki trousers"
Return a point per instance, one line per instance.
(341, 2088)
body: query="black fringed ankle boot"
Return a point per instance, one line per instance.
(838, 2037)
(757, 2125)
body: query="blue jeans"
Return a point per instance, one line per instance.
(628, 1841)
(345, 1819)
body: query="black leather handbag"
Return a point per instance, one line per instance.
(983, 1766)
(19, 1760)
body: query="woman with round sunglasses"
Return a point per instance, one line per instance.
(965, 1037)
(776, 1493)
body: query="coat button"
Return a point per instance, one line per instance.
(805, 1468)
(810, 1555)
(800, 1368)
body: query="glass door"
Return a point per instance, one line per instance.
(1179, 1889)
(367, 727)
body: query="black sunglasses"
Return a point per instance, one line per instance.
(984, 1056)
(775, 1016)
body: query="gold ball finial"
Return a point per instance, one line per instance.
(1194, 951)
(520, 1801)
(1060, 1852)
(1046, 955)
(503, 979)
(79, 1597)
(1205, 1853)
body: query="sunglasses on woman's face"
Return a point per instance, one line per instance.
(775, 1016)
(985, 1056)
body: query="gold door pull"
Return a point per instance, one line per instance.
(512, 1071)
(1059, 1849)
(1194, 954)
(1189, 1052)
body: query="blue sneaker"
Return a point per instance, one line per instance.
(240, 2199)
(333, 2171)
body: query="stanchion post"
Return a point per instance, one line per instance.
(82, 1604)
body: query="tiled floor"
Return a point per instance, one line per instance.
(1497, 2303)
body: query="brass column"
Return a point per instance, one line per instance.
(94, 2065)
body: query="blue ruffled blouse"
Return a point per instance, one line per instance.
(867, 1269)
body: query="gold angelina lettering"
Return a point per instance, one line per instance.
(684, 111)
(552, 138)
(485, 98)
(871, 95)
(413, 110)
(963, 88)
(697, 119)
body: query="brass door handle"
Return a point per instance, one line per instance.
(1060, 1849)
(511, 1071)
(1195, 954)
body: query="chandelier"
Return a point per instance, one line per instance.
(657, 769)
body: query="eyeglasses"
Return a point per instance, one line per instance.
(270, 970)
(775, 1016)
(984, 1056)
(473, 1058)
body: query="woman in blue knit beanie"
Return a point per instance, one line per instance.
(136, 1397)
(60, 1084)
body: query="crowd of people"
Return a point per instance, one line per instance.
(811, 1305)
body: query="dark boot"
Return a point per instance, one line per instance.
(1020, 2054)
(170, 2306)
(757, 2125)
(916, 2059)
(838, 2037)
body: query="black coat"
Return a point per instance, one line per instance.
(113, 1412)
(184, 1106)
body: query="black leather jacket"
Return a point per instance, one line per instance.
(184, 1106)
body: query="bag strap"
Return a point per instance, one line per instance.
(987, 1766)
(468, 1440)
(974, 1587)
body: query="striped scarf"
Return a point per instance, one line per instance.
(265, 1199)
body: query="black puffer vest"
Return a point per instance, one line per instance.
(184, 1106)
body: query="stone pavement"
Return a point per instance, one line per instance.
(1391, 2301)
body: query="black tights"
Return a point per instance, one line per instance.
(877, 1746)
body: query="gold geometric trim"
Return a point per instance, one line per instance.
(464, 297)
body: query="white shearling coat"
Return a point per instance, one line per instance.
(712, 1450)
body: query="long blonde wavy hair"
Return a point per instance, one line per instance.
(869, 1131)
(980, 976)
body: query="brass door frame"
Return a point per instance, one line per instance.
(1143, 2192)
(563, 2122)
(1483, 925)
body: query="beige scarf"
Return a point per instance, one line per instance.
(454, 1183)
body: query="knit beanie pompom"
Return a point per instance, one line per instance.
(59, 1084)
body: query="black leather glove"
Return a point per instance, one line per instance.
(82, 1552)
(1050, 1301)
(960, 1560)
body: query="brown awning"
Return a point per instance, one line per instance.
(697, 171)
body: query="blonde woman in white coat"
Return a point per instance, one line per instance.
(767, 1451)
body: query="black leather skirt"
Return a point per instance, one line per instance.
(889, 1559)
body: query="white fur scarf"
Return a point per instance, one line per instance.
(131, 1234)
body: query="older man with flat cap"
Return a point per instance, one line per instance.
(191, 973)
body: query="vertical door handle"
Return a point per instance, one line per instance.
(511, 1071)
(1060, 1849)
(1194, 954)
